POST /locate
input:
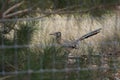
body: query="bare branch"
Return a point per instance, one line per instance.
(13, 7)
(16, 13)
(66, 10)
(5, 77)
(59, 11)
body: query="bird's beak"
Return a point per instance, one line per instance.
(51, 34)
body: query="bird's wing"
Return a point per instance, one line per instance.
(70, 44)
(92, 33)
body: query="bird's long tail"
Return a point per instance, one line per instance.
(90, 34)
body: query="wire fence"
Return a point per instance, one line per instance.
(28, 52)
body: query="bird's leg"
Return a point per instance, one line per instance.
(66, 53)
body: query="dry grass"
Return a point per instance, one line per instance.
(74, 27)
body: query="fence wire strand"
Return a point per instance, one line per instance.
(28, 52)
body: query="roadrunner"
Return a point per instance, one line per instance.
(69, 46)
(73, 44)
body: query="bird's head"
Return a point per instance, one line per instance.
(56, 34)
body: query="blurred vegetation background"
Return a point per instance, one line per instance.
(25, 42)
